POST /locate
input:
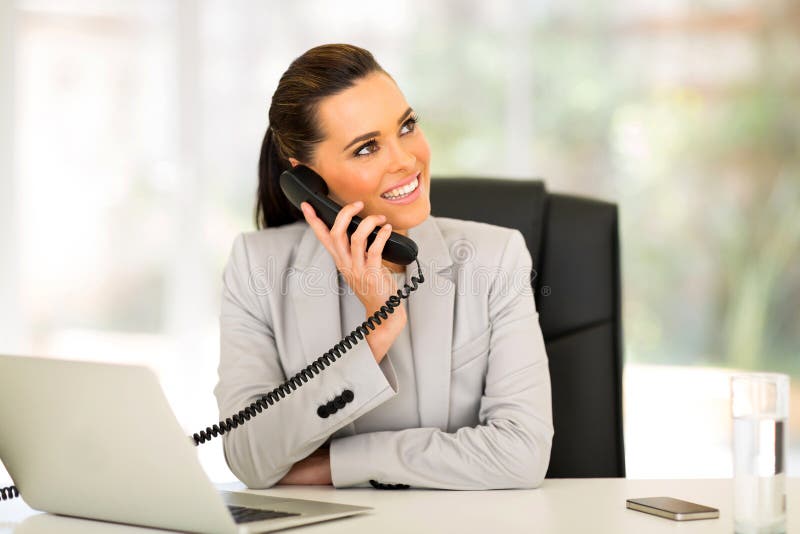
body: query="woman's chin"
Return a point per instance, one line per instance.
(411, 217)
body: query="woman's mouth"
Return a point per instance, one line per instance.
(404, 194)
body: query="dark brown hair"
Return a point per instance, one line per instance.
(294, 129)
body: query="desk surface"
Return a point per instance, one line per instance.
(560, 505)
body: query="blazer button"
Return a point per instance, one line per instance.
(322, 411)
(331, 407)
(339, 402)
(347, 395)
(380, 485)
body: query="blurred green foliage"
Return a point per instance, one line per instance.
(689, 120)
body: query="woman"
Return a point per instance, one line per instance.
(452, 392)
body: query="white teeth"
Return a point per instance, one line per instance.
(400, 192)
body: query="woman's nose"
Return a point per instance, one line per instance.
(402, 159)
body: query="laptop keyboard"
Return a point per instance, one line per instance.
(242, 514)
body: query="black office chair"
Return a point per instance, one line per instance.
(574, 245)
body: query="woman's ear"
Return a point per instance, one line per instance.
(294, 162)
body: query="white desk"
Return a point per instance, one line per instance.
(560, 505)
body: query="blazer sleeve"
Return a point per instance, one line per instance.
(510, 448)
(262, 450)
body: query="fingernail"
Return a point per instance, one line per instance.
(389, 226)
(359, 204)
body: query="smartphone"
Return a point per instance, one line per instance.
(672, 508)
(302, 184)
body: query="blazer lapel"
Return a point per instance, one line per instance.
(314, 296)
(313, 292)
(430, 311)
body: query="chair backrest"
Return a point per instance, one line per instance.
(574, 244)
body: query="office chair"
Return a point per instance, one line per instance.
(574, 245)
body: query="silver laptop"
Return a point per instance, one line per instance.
(99, 440)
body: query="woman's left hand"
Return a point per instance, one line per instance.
(313, 470)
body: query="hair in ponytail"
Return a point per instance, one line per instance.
(293, 129)
(272, 206)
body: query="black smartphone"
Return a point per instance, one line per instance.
(302, 184)
(671, 508)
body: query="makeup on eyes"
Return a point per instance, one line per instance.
(373, 134)
(414, 119)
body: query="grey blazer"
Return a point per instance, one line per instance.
(482, 374)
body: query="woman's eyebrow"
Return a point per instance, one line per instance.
(375, 134)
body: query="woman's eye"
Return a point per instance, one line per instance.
(411, 122)
(358, 153)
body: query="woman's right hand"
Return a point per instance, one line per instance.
(362, 268)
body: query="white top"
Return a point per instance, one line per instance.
(403, 406)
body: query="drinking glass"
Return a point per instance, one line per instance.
(760, 411)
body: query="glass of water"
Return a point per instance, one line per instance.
(760, 410)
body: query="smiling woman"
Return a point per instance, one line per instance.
(485, 424)
(364, 140)
(384, 162)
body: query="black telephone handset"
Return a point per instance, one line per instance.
(300, 184)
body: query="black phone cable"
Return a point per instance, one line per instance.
(306, 374)
(316, 367)
(8, 493)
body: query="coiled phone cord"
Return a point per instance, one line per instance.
(8, 493)
(306, 374)
(316, 367)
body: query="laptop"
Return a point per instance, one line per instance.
(99, 440)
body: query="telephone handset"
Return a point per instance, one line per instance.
(300, 184)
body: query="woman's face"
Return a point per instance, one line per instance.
(371, 147)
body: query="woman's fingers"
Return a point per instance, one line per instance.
(375, 252)
(362, 268)
(320, 229)
(339, 231)
(358, 241)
